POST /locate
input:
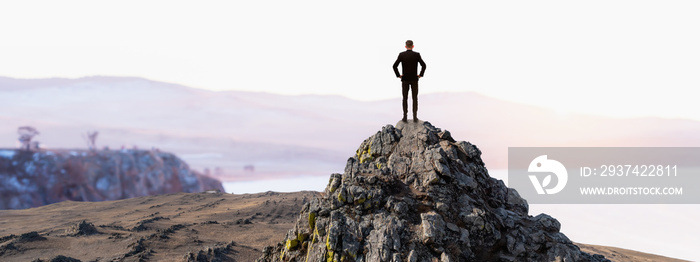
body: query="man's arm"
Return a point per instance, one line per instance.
(422, 65)
(396, 66)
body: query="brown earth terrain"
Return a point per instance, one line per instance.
(624, 255)
(172, 227)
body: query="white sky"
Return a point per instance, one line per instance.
(618, 58)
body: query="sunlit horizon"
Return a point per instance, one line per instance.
(610, 58)
(560, 110)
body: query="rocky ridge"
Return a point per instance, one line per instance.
(37, 178)
(413, 193)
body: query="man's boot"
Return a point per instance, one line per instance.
(404, 118)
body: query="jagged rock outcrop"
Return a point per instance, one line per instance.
(413, 193)
(82, 229)
(32, 179)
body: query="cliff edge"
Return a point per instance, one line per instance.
(36, 178)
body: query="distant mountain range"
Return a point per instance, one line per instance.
(249, 136)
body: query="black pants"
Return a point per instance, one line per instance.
(405, 85)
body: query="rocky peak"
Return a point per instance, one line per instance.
(413, 193)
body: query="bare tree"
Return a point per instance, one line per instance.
(90, 138)
(26, 133)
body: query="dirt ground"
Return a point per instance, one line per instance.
(624, 255)
(171, 227)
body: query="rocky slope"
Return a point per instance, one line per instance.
(32, 179)
(413, 193)
(171, 227)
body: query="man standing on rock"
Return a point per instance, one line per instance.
(409, 79)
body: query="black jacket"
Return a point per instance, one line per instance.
(409, 65)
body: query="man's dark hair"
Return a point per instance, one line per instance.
(409, 43)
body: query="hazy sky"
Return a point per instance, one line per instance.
(620, 58)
